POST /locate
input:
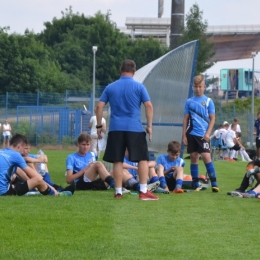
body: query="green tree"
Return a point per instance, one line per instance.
(26, 65)
(195, 29)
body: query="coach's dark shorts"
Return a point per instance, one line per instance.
(19, 188)
(195, 144)
(118, 141)
(93, 185)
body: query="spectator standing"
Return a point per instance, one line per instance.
(6, 134)
(257, 133)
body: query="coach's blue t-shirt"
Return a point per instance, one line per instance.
(167, 164)
(77, 162)
(9, 161)
(199, 109)
(125, 97)
(132, 171)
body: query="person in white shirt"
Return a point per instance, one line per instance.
(93, 133)
(221, 133)
(6, 134)
(234, 144)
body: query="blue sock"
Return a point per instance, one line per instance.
(154, 179)
(163, 183)
(212, 173)
(137, 187)
(51, 192)
(252, 192)
(47, 178)
(194, 170)
(178, 183)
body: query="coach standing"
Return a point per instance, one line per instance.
(125, 130)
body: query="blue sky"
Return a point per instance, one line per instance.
(31, 14)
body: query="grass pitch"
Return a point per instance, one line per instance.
(93, 225)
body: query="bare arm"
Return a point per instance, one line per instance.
(22, 174)
(70, 177)
(210, 127)
(99, 113)
(149, 118)
(184, 127)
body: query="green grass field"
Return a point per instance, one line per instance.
(93, 225)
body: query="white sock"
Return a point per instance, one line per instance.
(242, 155)
(246, 155)
(143, 188)
(118, 190)
(232, 154)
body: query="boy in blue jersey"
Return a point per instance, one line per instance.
(125, 97)
(198, 122)
(10, 160)
(170, 168)
(83, 169)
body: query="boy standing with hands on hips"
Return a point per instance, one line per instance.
(198, 122)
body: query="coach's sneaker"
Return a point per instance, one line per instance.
(153, 186)
(65, 193)
(118, 196)
(124, 190)
(215, 189)
(147, 196)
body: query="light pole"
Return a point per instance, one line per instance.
(94, 49)
(252, 101)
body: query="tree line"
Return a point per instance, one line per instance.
(61, 57)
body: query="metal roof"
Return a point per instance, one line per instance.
(231, 42)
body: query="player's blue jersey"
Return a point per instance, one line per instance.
(76, 162)
(167, 164)
(132, 171)
(125, 97)
(199, 109)
(9, 161)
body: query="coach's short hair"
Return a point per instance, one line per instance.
(128, 66)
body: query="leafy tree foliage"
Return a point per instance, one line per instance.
(61, 56)
(195, 29)
(27, 66)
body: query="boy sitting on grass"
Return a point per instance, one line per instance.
(83, 169)
(10, 159)
(170, 168)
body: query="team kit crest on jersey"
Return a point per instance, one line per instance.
(203, 103)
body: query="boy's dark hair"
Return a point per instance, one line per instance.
(174, 147)
(128, 66)
(84, 137)
(18, 139)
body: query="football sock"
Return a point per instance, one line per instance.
(118, 190)
(194, 170)
(212, 174)
(163, 183)
(48, 191)
(253, 193)
(47, 178)
(109, 180)
(143, 188)
(178, 184)
(154, 179)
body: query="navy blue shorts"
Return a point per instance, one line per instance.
(118, 141)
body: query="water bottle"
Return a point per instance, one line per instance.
(41, 166)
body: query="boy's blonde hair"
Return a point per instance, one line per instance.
(198, 79)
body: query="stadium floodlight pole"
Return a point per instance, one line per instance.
(94, 49)
(252, 102)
